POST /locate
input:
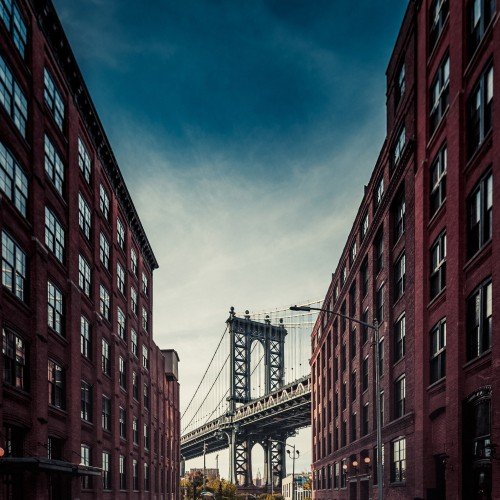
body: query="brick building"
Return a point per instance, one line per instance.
(420, 259)
(89, 405)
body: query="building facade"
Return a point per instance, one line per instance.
(89, 405)
(420, 259)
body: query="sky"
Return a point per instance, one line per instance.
(245, 131)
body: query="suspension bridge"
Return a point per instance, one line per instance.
(256, 389)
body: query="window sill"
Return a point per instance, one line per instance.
(438, 299)
(437, 386)
(398, 484)
(437, 216)
(439, 128)
(16, 392)
(480, 152)
(12, 297)
(478, 363)
(480, 49)
(396, 363)
(483, 253)
(438, 42)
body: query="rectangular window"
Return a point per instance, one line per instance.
(354, 434)
(398, 469)
(54, 235)
(123, 473)
(135, 385)
(84, 216)
(120, 234)
(15, 369)
(438, 351)
(352, 343)
(122, 372)
(399, 338)
(438, 265)
(146, 436)
(133, 261)
(85, 460)
(53, 99)
(438, 181)
(13, 180)
(381, 359)
(440, 90)
(364, 374)
(399, 147)
(480, 208)
(146, 477)
(144, 284)
(133, 300)
(399, 214)
(135, 431)
(379, 303)
(12, 98)
(86, 401)
(399, 396)
(106, 470)
(121, 324)
(400, 84)
(84, 161)
(379, 252)
(399, 277)
(353, 386)
(364, 329)
(343, 434)
(57, 394)
(104, 250)
(437, 15)
(120, 277)
(122, 421)
(364, 227)
(352, 253)
(135, 475)
(104, 302)
(146, 395)
(14, 23)
(135, 345)
(343, 474)
(84, 276)
(106, 413)
(352, 300)
(480, 110)
(106, 360)
(343, 357)
(145, 322)
(13, 267)
(54, 167)
(364, 278)
(104, 201)
(366, 420)
(479, 320)
(55, 309)
(480, 15)
(379, 192)
(85, 338)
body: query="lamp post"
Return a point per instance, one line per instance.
(204, 465)
(375, 328)
(294, 455)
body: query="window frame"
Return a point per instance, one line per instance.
(437, 279)
(437, 351)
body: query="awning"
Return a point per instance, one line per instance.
(10, 465)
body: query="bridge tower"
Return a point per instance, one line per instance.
(243, 333)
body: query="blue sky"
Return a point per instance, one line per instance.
(245, 131)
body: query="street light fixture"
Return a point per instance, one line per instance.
(375, 328)
(293, 455)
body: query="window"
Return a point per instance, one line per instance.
(354, 435)
(84, 276)
(85, 460)
(120, 234)
(86, 400)
(364, 227)
(135, 431)
(379, 303)
(381, 358)
(366, 420)
(146, 395)
(146, 477)
(343, 474)
(133, 300)
(133, 261)
(398, 469)
(85, 338)
(480, 109)
(106, 360)
(15, 369)
(104, 250)
(104, 201)
(145, 357)
(121, 324)
(146, 436)
(437, 15)
(399, 212)
(400, 84)
(144, 284)
(54, 167)
(13, 267)
(122, 372)
(106, 413)
(440, 90)
(144, 319)
(54, 448)
(399, 147)
(438, 351)
(120, 277)
(399, 396)
(438, 180)
(135, 348)
(352, 253)
(352, 342)
(14, 23)
(13, 180)
(57, 394)
(364, 278)
(135, 385)
(379, 191)
(438, 265)
(479, 320)
(399, 277)
(123, 473)
(53, 99)
(480, 206)
(364, 374)
(343, 361)
(84, 161)
(364, 328)
(84, 216)
(135, 475)
(122, 421)
(379, 252)
(399, 338)
(106, 470)
(343, 275)
(12, 98)
(336, 475)
(353, 386)
(480, 14)
(55, 309)
(352, 300)
(343, 434)
(54, 235)
(104, 302)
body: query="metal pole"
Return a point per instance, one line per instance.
(293, 474)
(204, 465)
(380, 478)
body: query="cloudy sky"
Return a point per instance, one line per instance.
(245, 131)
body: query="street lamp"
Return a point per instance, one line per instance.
(375, 328)
(293, 455)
